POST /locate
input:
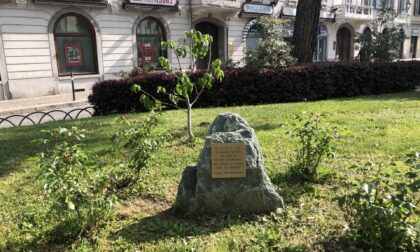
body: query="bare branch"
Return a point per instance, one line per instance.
(154, 98)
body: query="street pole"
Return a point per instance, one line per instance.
(72, 86)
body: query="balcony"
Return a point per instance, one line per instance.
(220, 6)
(290, 12)
(357, 9)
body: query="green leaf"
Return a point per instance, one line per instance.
(135, 88)
(70, 205)
(173, 98)
(148, 103)
(161, 90)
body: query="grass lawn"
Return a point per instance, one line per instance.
(374, 128)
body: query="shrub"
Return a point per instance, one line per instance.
(315, 143)
(76, 190)
(248, 87)
(272, 50)
(383, 209)
(137, 146)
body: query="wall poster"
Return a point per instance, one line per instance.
(73, 53)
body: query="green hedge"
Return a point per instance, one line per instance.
(243, 86)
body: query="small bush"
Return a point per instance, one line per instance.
(137, 145)
(315, 143)
(384, 214)
(77, 191)
(248, 87)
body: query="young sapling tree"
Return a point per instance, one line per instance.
(186, 90)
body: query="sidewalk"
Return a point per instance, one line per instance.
(34, 104)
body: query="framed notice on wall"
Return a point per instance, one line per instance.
(74, 53)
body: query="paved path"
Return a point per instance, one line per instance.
(43, 103)
(60, 107)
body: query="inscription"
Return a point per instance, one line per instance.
(228, 160)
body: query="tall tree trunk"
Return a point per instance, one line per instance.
(304, 34)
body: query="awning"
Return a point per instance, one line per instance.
(149, 7)
(88, 3)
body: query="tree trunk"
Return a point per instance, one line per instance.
(304, 34)
(189, 110)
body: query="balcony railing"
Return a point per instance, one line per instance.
(354, 9)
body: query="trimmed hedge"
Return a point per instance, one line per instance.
(243, 86)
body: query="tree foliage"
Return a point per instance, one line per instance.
(381, 42)
(272, 51)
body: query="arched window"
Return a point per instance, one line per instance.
(75, 45)
(366, 41)
(253, 36)
(150, 35)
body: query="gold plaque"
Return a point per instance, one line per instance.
(228, 160)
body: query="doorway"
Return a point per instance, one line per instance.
(344, 43)
(213, 30)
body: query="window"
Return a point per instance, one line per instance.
(389, 4)
(402, 5)
(150, 35)
(417, 8)
(413, 47)
(402, 44)
(75, 45)
(320, 53)
(253, 37)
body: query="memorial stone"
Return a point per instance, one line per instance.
(229, 177)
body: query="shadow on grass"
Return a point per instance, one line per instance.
(341, 243)
(17, 144)
(59, 238)
(291, 187)
(404, 96)
(164, 225)
(266, 127)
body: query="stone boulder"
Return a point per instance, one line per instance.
(200, 194)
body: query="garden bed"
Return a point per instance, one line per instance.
(377, 129)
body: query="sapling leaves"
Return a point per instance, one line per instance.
(185, 89)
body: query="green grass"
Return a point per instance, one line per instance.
(374, 128)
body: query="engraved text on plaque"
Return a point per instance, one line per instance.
(228, 160)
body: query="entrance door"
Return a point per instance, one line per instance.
(344, 44)
(211, 29)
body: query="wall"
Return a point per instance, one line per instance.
(26, 30)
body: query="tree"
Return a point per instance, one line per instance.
(304, 33)
(186, 90)
(380, 43)
(272, 50)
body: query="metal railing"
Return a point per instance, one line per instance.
(42, 117)
(355, 11)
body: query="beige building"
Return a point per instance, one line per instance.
(43, 41)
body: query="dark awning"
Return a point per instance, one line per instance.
(89, 3)
(149, 7)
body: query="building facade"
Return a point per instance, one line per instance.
(43, 41)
